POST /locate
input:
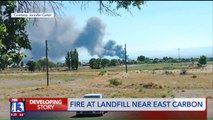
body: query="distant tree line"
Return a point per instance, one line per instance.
(38, 65)
(202, 60)
(72, 62)
(102, 63)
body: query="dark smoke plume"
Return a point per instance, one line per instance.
(111, 49)
(60, 36)
(64, 35)
(92, 36)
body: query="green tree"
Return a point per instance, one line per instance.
(51, 64)
(147, 60)
(92, 63)
(13, 36)
(98, 63)
(42, 63)
(72, 59)
(141, 58)
(192, 59)
(75, 59)
(68, 60)
(37, 66)
(113, 62)
(95, 63)
(202, 60)
(156, 60)
(165, 59)
(104, 62)
(172, 60)
(31, 65)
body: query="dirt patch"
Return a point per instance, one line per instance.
(151, 85)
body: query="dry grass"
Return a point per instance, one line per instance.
(75, 84)
(136, 83)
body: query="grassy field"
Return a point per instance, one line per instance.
(161, 79)
(157, 66)
(145, 81)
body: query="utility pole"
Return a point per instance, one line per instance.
(125, 58)
(47, 64)
(178, 54)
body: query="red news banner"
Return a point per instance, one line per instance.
(46, 104)
(179, 108)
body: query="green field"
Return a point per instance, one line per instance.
(156, 66)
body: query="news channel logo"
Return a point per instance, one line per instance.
(17, 107)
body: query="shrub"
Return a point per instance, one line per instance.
(199, 65)
(202, 60)
(152, 85)
(115, 81)
(194, 76)
(102, 72)
(156, 69)
(183, 72)
(168, 72)
(163, 96)
(31, 66)
(140, 90)
(209, 97)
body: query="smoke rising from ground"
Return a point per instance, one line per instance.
(92, 36)
(64, 35)
(111, 49)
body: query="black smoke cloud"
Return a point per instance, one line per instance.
(92, 36)
(111, 49)
(63, 35)
(60, 35)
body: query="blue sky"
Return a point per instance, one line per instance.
(173, 25)
(157, 26)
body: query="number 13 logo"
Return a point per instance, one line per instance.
(17, 107)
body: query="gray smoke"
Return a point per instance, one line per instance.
(92, 36)
(63, 35)
(111, 49)
(60, 36)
